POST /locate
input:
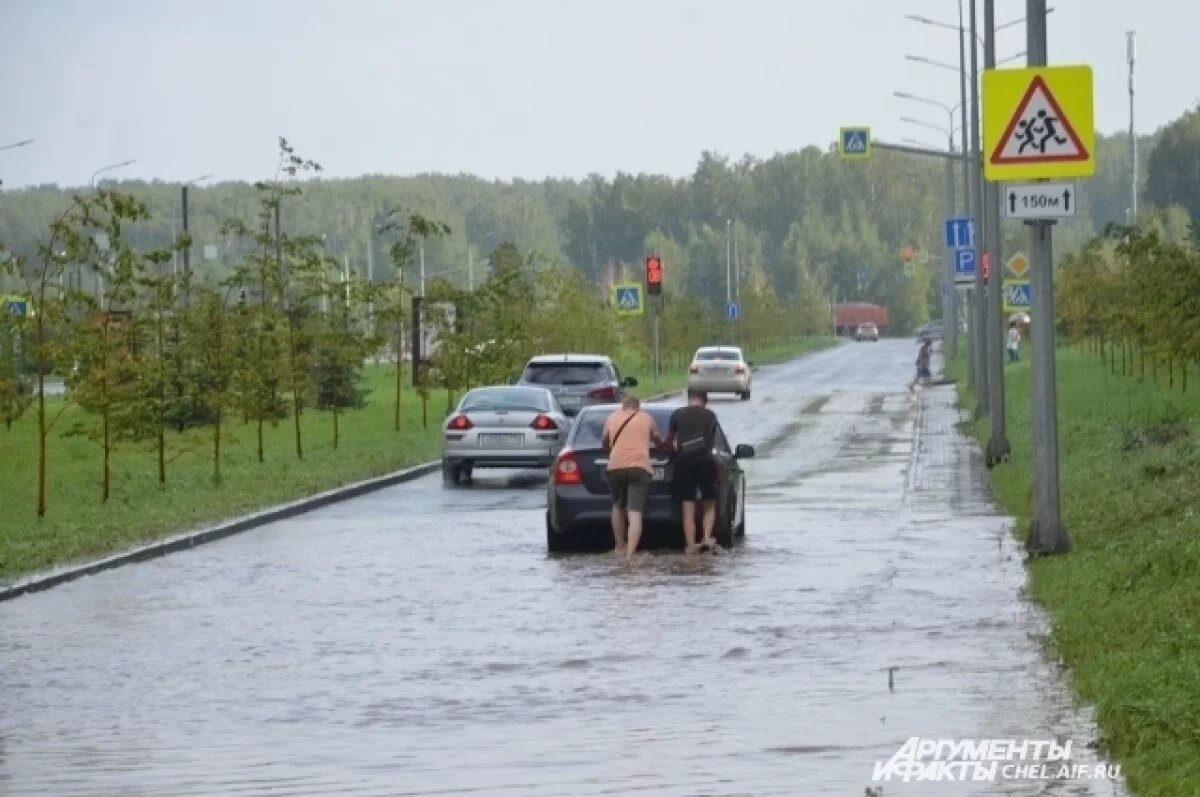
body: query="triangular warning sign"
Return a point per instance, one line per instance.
(1039, 132)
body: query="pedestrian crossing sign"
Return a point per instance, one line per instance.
(1018, 296)
(1038, 123)
(854, 143)
(627, 298)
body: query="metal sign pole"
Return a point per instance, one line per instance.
(998, 448)
(1047, 534)
(657, 354)
(980, 316)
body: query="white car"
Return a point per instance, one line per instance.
(502, 427)
(720, 369)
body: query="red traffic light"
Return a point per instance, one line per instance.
(653, 271)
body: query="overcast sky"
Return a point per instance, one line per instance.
(513, 88)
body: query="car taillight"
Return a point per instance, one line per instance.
(603, 393)
(566, 469)
(695, 369)
(739, 369)
(544, 423)
(460, 423)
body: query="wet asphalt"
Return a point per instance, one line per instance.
(420, 640)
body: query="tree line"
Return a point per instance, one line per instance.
(170, 359)
(1133, 295)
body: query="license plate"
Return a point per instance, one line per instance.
(501, 440)
(568, 401)
(660, 474)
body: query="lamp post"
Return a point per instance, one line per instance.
(110, 168)
(187, 252)
(977, 375)
(949, 289)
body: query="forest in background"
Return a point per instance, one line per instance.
(806, 225)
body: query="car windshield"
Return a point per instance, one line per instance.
(505, 398)
(590, 425)
(565, 373)
(718, 354)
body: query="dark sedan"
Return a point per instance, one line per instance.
(578, 508)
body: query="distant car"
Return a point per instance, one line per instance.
(502, 427)
(577, 380)
(933, 330)
(720, 369)
(578, 513)
(867, 331)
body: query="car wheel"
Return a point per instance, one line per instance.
(555, 542)
(746, 396)
(725, 532)
(451, 474)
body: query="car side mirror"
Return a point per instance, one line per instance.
(629, 381)
(743, 451)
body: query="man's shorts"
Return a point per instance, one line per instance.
(924, 373)
(695, 477)
(628, 488)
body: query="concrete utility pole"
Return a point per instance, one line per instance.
(998, 449)
(979, 316)
(1047, 534)
(728, 261)
(968, 201)
(1131, 52)
(949, 289)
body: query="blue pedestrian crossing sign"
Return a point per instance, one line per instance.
(960, 233)
(854, 143)
(627, 298)
(1018, 296)
(732, 311)
(964, 266)
(14, 305)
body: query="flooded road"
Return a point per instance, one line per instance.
(421, 641)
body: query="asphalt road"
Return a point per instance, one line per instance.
(420, 640)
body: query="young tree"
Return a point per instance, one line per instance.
(340, 349)
(15, 393)
(408, 229)
(103, 346)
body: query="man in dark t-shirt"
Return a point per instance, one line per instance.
(692, 435)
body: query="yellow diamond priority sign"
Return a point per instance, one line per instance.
(1038, 123)
(1018, 265)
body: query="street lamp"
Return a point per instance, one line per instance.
(104, 169)
(24, 143)
(949, 26)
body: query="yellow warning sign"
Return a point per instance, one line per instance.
(1038, 123)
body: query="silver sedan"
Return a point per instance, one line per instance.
(502, 427)
(720, 369)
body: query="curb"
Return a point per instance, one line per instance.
(191, 539)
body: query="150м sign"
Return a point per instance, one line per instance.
(1039, 200)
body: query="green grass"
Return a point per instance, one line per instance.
(1125, 603)
(78, 526)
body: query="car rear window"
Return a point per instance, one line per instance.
(589, 426)
(565, 373)
(505, 398)
(712, 354)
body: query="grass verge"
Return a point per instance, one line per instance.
(79, 527)
(1125, 603)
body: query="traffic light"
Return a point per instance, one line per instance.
(654, 275)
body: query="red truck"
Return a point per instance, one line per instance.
(847, 317)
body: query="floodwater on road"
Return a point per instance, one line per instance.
(420, 640)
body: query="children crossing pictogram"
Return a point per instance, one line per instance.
(1039, 132)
